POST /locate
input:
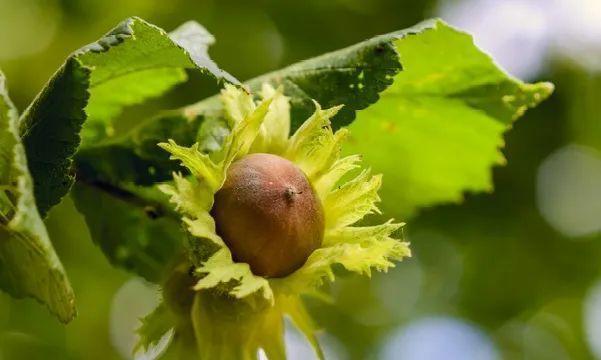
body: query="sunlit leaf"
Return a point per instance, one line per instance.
(437, 130)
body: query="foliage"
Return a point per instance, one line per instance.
(425, 107)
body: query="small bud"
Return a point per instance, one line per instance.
(268, 214)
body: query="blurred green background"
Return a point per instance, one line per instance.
(515, 274)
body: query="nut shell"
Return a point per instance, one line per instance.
(268, 214)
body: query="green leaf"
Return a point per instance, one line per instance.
(135, 156)
(49, 130)
(134, 230)
(145, 66)
(28, 264)
(133, 62)
(437, 130)
(132, 226)
(109, 98)
(353, 76)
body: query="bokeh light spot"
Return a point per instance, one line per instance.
(134, 300)
(568, 191)
(438, 338)
(592, 319)
(505, 29)
(32, 25)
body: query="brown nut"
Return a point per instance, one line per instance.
(268, 214)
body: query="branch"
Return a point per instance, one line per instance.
(153, 208)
